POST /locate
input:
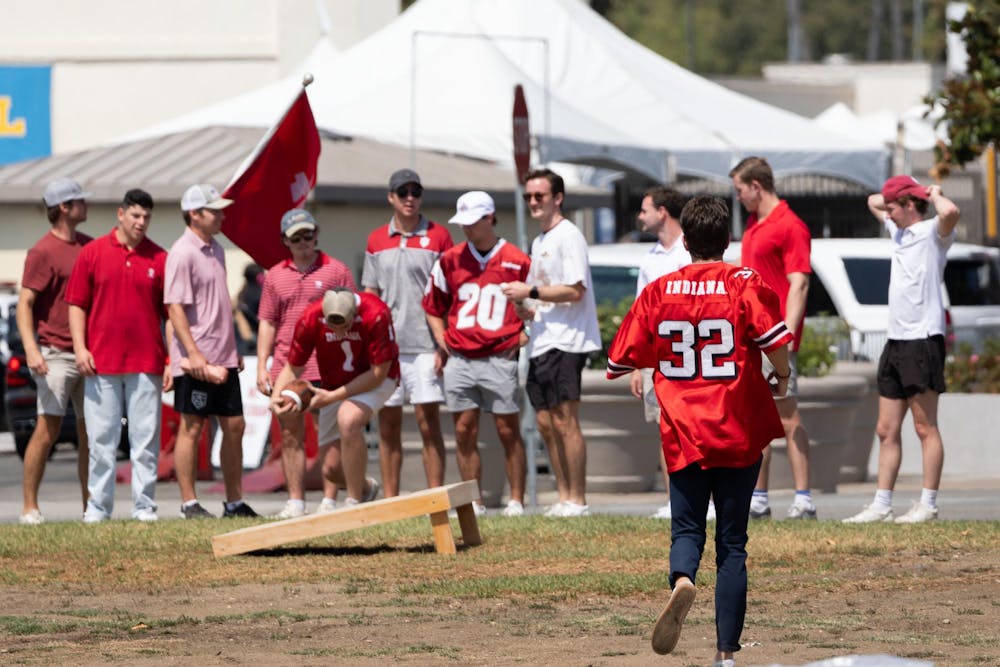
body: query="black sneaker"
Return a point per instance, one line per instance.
(195, 511)
(240, 510)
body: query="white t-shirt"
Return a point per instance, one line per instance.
(916, 308)
(559, 257)
(660, 261)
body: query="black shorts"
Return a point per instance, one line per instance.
(194, 397)
(910, 367)
(554, 378)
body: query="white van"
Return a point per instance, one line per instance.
(850, 280)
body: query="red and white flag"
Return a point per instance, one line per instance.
(277, 176)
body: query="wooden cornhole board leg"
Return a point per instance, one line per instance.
(434, 502)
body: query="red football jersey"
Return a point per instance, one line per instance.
(702, 330)
(370, 341)
(465, 289)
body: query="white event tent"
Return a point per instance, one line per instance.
(915, 131)
(441, 77)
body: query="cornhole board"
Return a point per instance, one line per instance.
(433, 502)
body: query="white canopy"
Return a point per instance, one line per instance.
(441, 77)
(915, 132)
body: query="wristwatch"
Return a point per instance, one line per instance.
(533, 292)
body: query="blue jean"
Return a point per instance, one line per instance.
(104, 397)
(731, 489)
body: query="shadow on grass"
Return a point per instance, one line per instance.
(312, 550)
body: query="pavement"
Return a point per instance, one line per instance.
(960, 497)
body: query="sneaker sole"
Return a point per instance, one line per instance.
(668, 626)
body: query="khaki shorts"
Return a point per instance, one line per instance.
(62, 384)
(374, 399)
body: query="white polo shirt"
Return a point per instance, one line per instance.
(559, 257)
(916, 306)
(660, 261)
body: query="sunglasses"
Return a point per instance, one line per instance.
(302, 236)
(415, 191)
(536, 196)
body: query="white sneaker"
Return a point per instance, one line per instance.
(326, 505)
(574, 509)
(351, 502)
(292, 510)
(145, 515)
(373, 489)
(662, 513)
(871, 514)
(728, 662)
(802, 511)
(31, 518)
(555, 510)
(478, 508)
(760, 509)
(94, 518)
(919, 513)
(514, 508)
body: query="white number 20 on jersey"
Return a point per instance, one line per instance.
(709, 363)
(484, 306)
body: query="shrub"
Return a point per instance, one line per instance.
(609, 318)
(970, 372)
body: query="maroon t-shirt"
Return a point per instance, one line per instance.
(46, 272)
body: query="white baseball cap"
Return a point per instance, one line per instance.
(471, 207)
(63, 190)
(203, 196)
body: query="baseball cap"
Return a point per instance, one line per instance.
(402, 177)
(295, 220)
(471, 207)
(203, 196)
(898, 186)
(63, 190)
(340, 303)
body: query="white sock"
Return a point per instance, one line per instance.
(929, 497)
(804, 499)
(883, 498)
(190, 503)
(295, 502)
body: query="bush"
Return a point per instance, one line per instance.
(609, 318)
(820, 342)
(969, 372)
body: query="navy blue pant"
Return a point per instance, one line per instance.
(731, 489)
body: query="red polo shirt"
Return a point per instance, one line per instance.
(776, 246)
(122, 292)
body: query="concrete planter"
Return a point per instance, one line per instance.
(828, 406)
(969, 424)
(857, 451)
(623, 450)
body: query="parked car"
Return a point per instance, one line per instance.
(8, 307)
(850, 281)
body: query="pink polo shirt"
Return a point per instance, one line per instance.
(122, 292)
(196, 279)
(286, 293)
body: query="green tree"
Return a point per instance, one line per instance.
(971, 102)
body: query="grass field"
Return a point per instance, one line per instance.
(538, 591)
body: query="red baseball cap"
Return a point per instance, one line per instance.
(898, 186)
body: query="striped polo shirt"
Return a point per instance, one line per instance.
(286, 293)
(399, 264)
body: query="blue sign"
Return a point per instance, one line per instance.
(25, 112)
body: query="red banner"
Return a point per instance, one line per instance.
(277, 176)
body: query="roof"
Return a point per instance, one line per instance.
(351, 170)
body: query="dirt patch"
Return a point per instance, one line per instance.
(942, 609)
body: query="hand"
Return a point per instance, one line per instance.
(263, 381)
(85, 363)
(516, 291)
(522, 311)
(440, 360)
(168, 380)
(321, 398)
(933, 191)
(240, 365)
(279, 405)
(36, 362)
(635, 383)
(197, 366)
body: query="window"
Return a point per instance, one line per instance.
(613, 283)
(869, 278)
(973, 282)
